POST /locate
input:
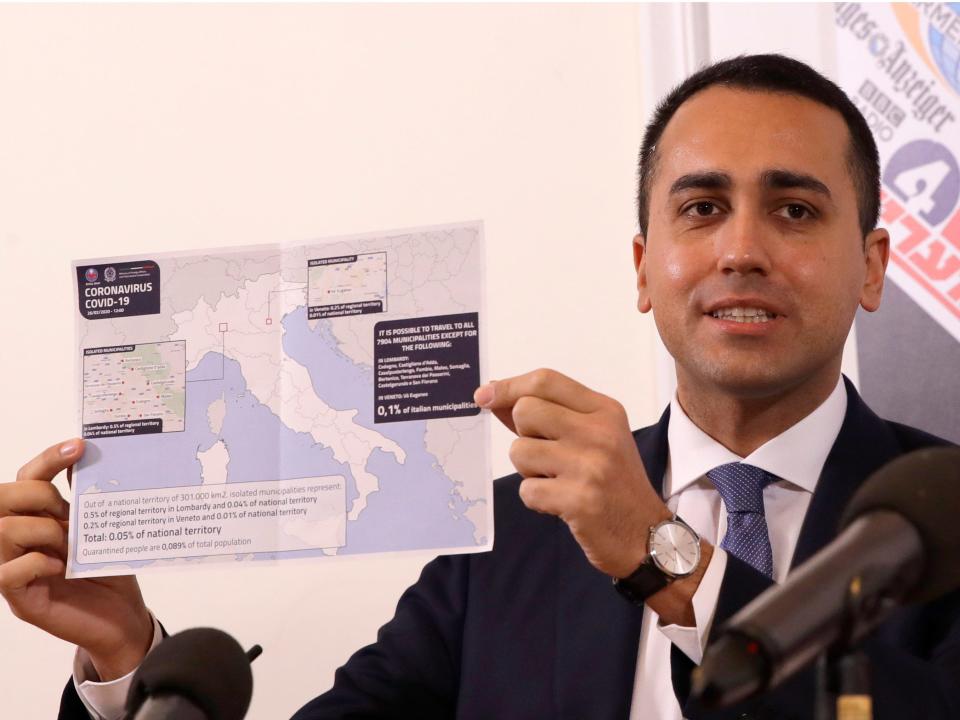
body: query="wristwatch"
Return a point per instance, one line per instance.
(673, 551)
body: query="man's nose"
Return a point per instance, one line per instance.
(741, 245)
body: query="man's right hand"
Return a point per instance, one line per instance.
(104, 616)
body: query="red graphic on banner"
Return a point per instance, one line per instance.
(931, 258)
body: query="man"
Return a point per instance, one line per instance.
(758, 196)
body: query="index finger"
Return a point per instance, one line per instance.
(550, 385)
(51, 461)
(32, 497)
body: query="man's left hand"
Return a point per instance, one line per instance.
(579, 462)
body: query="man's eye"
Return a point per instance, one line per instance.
(702, 209)
(795, 211)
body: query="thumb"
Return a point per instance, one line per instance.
(486, 397)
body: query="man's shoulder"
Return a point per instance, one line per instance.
(913, 438)
(865, 425)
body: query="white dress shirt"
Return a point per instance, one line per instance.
(105, 700)
(797, 457)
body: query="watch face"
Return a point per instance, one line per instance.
(675, 548)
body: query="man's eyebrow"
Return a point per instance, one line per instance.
(701, 181)
(787, 180)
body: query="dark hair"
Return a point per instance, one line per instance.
(776, 74)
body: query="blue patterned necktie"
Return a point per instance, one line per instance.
(741, 487)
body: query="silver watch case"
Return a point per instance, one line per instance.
(674, 547)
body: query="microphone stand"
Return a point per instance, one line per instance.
(843, 687)
(843, 673)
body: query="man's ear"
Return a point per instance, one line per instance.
(876, 253)
(640, 265)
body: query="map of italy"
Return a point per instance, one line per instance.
(250, 418)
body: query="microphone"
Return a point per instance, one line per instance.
(900, 543)
(198, 674)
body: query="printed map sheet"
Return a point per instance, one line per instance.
(277, 402)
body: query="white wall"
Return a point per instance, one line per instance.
(129, 129)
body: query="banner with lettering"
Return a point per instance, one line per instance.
(900, 63)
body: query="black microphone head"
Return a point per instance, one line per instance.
(734, 668)
(924, 488)
(204, 665)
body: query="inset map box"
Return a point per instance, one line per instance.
(134, 389)
(347, 285)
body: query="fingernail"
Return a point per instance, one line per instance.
(68, 448)
(483, 396)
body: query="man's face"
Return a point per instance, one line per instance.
(754, 263)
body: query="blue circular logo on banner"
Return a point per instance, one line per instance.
(945, 50)
(91, 274)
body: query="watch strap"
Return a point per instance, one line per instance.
(643, 582)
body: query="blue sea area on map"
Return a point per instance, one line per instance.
(416, 506)
(259, 445)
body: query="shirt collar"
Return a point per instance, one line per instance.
(796, 455)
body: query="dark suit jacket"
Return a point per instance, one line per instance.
(532, 630)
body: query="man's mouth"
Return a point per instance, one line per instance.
(743, 314)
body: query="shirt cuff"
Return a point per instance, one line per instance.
(105, 700)
(692, 641)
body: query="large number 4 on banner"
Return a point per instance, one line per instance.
(918, 186)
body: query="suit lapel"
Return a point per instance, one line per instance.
(865, 444)
(597, 630)
(654, 450)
